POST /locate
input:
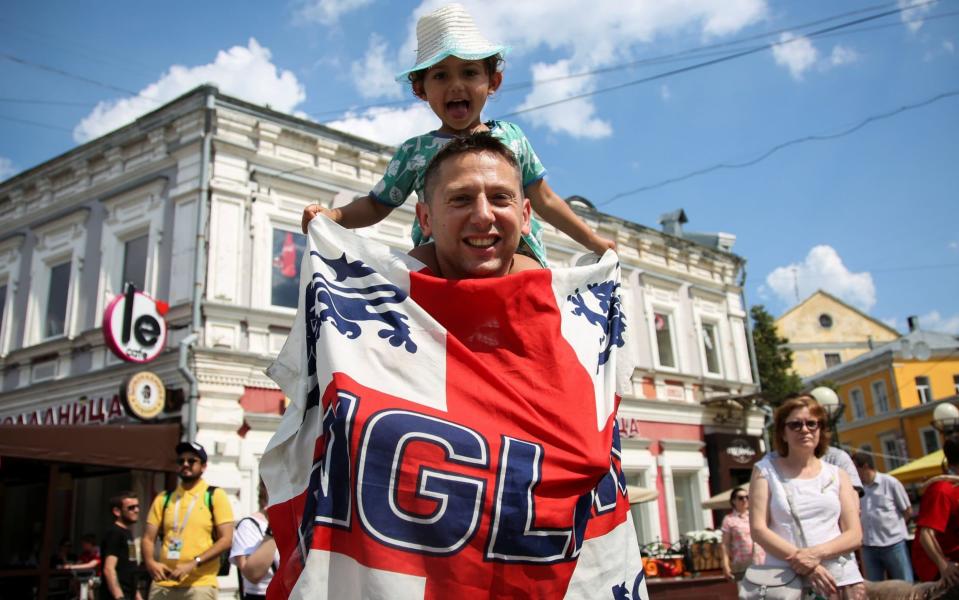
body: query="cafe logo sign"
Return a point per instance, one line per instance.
(740, 451)
(144, 395)
(134, 327)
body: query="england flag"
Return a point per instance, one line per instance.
(450, 439)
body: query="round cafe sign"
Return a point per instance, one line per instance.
(144, 395)
(740, 451)
(134, 327)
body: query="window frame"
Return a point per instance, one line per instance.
(717, 346)
(927, 387)
(873, 386)
(922, 439)
(825, 358)
(898, 459)
(670, 314)
(295, 231)
(129, 215)
(59, 241)
(10, 261)
(852, 404)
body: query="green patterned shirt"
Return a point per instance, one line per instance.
(404, 175)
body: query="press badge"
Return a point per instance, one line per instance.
(173, 550)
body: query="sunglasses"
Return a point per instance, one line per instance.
(811, 424)
(187, 461)
(134, 507)
(741, 498)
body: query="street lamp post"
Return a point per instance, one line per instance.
(830, 403)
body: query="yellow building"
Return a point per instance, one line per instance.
(823, 331)
(890, 394)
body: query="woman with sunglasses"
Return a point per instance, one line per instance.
(822, 501)
(739, 550)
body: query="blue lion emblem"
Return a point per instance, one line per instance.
(610, 318)
(346, 307)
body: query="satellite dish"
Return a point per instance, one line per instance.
(921, 351)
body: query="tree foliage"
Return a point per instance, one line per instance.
(774, 360)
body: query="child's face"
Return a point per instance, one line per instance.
(456, 91)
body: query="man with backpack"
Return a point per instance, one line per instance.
(195, 522)
(253, 535)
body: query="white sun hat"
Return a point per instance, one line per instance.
(449, 31)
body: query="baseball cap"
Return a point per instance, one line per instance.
(191, 447)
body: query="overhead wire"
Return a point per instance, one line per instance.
(781, 146)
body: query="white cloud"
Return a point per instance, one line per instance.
(581, 39)
(913, 17)
(245, 72)
(6, 168)
(891, 322)
(374, 75)
(389, 125)
(934, 321)
(577, 117)
(822, 269)
(948, 47)
(842, 55)
(953, 245)
(665, 93)
(796, 53)
(328, 12)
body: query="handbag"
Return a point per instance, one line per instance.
(766, 582)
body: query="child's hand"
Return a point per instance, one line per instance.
(600, 245)
(315, 209)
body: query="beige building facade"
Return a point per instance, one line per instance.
(824, 332)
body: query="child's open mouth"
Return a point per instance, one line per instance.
(458, 109)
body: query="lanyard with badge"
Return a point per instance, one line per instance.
(175, 545)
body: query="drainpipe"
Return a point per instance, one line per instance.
(199, 264)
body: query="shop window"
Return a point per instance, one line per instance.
(684, 492)
(832, 359)
(56, 317)
(639, 520)
(930, 440)
(663, 325)
(924, 389)
(857, 403)
(711, 348)
(135, 262)
(287, 254)
(880, 400)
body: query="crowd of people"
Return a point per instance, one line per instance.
(802, 522)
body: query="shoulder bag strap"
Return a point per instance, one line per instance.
(789, 501)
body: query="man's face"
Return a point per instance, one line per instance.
(189, 466)
(129, 511)
(476, 214)
(865, 473)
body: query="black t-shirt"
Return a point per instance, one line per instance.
(119, 542)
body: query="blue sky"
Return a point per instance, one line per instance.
(871, 216)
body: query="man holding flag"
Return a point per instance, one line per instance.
(452, 429)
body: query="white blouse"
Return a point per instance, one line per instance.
(817, 505)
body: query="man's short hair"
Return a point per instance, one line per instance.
(951, 449)
(117, 501)
(475, 142)
(863, 460)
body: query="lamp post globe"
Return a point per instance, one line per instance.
(946, 418)
(829, 400)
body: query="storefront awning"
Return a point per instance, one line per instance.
(147, 447)
(638, 495)
(721, 500)
(920, 469)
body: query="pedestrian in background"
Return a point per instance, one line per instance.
(119, 551)
(935, 551)
(250, 534)
(738, 548)
(196, 524)
(885, 508)
(804, 510)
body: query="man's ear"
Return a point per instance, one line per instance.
(495, 80)
(423, 216)
(116, 512)
(527, 214)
